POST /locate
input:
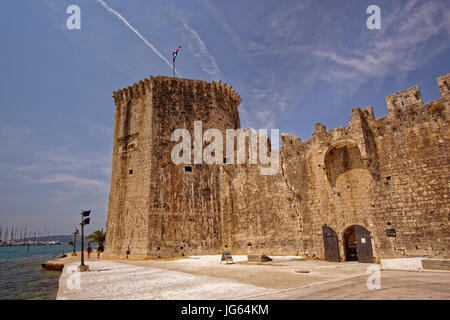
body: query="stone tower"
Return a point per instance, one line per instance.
(157, 208)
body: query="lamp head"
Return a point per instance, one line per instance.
(85, 213)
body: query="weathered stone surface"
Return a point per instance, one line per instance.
(387, 173)
(156, 208)
(258, 258)
(53, 266)
(436, 264)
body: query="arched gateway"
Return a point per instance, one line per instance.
(357, 243)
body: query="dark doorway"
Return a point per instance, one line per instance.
(331, 244)
(350, 244)
(358, 244)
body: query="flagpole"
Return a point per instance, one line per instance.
(174, 56)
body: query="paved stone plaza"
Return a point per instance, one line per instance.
(203, 277)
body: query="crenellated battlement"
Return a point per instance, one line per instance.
(404, 99)
(444, 85)
(411, 99)
(141, 88)
(405, 107)
(406, 110)
(135, 91)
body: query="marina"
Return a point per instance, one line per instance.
(29, 243)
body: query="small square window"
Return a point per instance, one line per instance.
(187, 169)
(130, 171)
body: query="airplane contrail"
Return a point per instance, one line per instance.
(118, 15)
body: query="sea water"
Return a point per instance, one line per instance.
(22, 276)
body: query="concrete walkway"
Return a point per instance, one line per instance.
(395, 285)
(203, 277)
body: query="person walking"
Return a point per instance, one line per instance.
(89, 250)
(100, 249)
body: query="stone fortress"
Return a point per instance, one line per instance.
(378, 188)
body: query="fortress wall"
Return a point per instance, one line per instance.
(333, 181)
(265, 217)
(413, 196)
(394, 170)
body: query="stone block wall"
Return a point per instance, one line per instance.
(157, 208)
(385, 173)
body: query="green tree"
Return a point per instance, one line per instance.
(97, 237)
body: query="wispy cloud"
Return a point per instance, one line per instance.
(284, 23)
(306, 43)
(263, 106)
(76, 182)
(278, 46)
(70, 175)
(198, 48)
(398, 47)
(196, 45)
(59, 164)
(125, 21)
(221, 20)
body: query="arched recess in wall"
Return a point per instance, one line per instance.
(351, 181)
(341, 158)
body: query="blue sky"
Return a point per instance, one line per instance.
(294, 63)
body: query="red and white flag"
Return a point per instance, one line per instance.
(175, 53)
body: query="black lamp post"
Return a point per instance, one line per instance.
(75, 241)
(84, 220)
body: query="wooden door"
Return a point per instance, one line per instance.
(331, 244)
(363, 244)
